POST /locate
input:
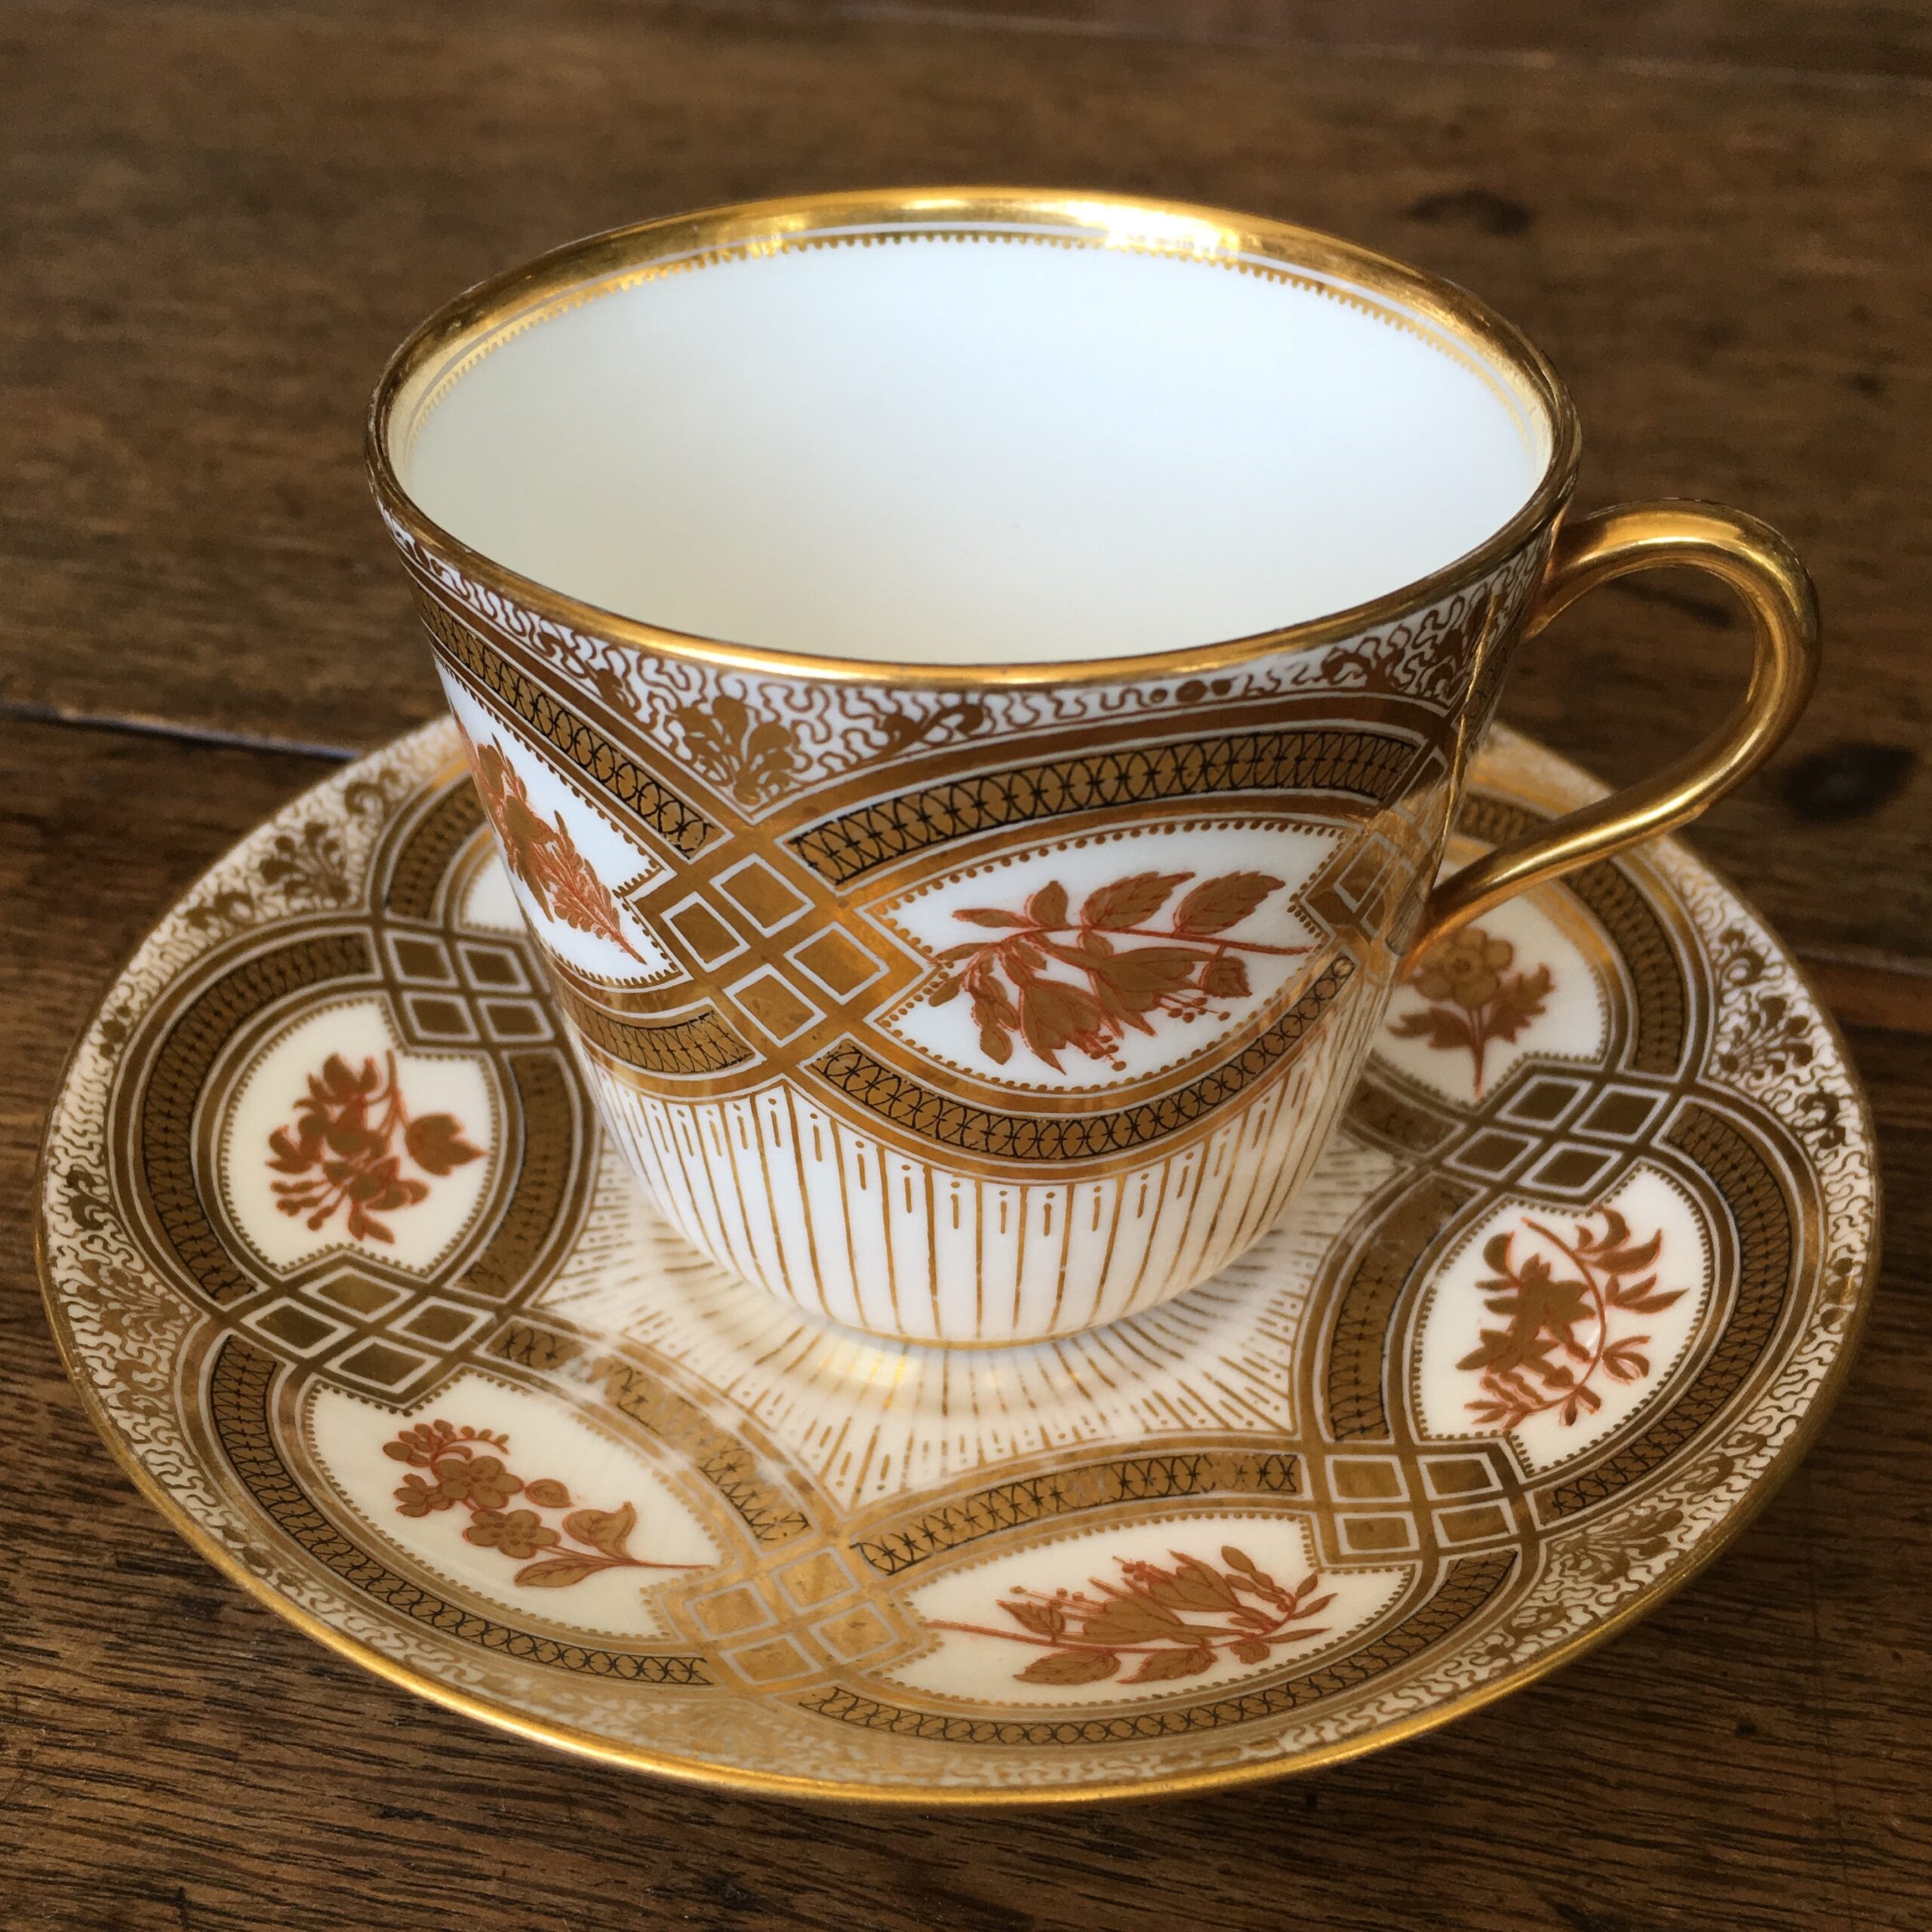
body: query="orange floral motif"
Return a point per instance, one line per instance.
(1178, 1622)
(341, 1150)
(1561, 1329)
(1056, 980)
(1473, 997)
(543, 855)
(456, 1471)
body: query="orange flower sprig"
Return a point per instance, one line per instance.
(543, 855)
(1157, 1614)
(341, 1151)
(1473, 997)
(1056, 979)
(1558, 1331)
(457, 1474)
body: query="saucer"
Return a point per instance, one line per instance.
(345, 1273)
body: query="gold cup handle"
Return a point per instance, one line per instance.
(1759, 566)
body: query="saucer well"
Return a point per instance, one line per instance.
(346, 1274)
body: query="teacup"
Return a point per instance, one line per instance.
(962, 942)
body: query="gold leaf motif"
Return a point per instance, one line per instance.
(558, 1572)
(1160, 1666)
(1069, 1667)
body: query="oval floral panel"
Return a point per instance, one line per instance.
(347, 1277)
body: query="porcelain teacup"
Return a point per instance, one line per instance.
(972, 686)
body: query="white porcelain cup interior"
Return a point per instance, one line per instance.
(978, 449)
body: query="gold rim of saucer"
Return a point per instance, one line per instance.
(439, 349)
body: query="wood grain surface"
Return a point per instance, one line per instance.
(217, 219)
(1856, 43)
(225, 219)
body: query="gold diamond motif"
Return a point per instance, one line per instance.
(838, 962)
(296, 1327)
(1365, 1535)
(769, 1663)
(1472, 1525)
(774, 1005)
(704, 932)
(1458, 1475)
(381, 1364)
(439, 1323)
(441, 1019)
(854, 1633)
(419, 958)
(1366, 1479)
(758, 890)
(358, 1294)
(732, 1610)
(813, 1580)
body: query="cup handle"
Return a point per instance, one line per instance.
(1760, 566)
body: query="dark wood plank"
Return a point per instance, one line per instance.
(1860, 42)
(1881, 995)
(1759, 1754)
(220, 221)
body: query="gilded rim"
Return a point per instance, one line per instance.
(1177, 227)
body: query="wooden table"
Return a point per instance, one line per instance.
(1713, 213)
